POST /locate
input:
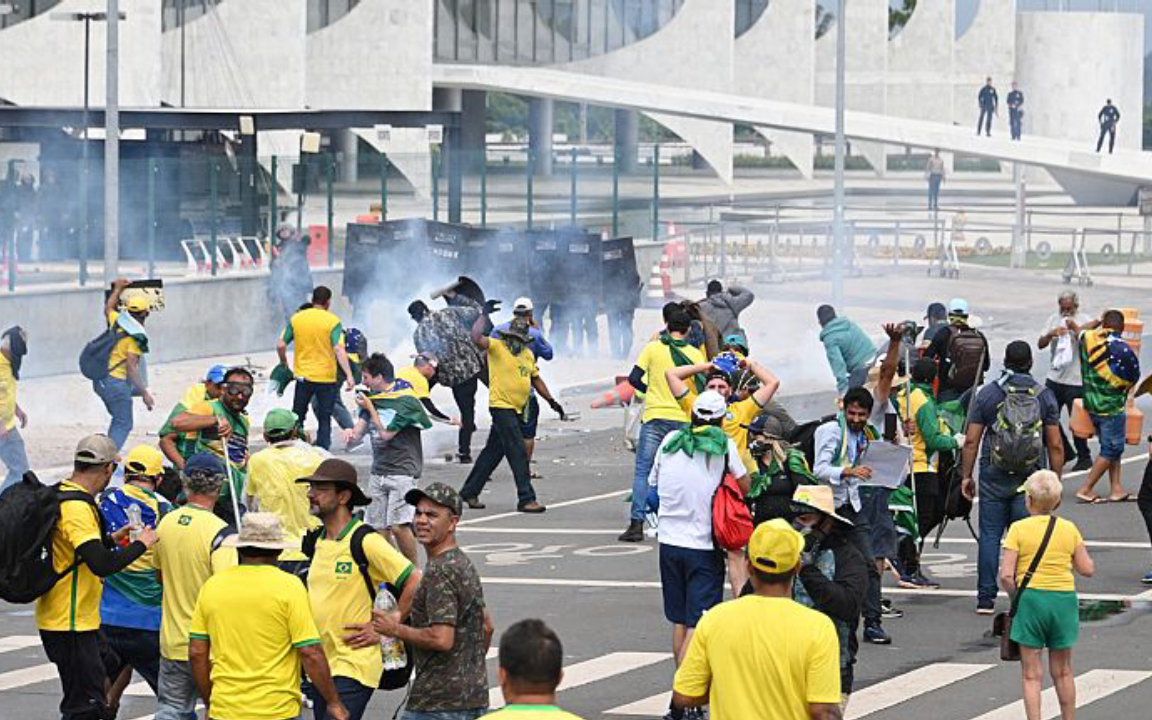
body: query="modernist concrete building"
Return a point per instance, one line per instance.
(385, 55)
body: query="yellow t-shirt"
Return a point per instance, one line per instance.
(1055, 571)
(509, 376)
(272, 476)
(659, 402)
(7, 394)
(185, 560)
(255, 617)
(418, 382)
(316, 333)
(73, 603)
(759, 657)
(118, 358)
(530, 712)
(339, 597)
(194, 395)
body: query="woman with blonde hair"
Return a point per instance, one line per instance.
(1046, 612)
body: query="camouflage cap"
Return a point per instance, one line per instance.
(438, 493)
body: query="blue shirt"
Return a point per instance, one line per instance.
(539, 346)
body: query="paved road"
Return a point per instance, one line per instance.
(603, 598)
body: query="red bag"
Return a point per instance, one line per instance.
(731, 517)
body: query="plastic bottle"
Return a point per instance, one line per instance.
(392, 650)
(135, 520)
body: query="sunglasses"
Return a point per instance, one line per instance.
(238, 389)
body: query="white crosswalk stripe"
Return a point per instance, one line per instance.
(18, 642)
(1090, 687)
(595, 670)
(894, 691)
(27, 676)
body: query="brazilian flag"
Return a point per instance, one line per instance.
(904, 512)
(399, 408)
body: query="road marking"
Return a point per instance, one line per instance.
(654, 706)
(595, 670)
(18, 642)
(1090, 687)
(894, 691)
(655, 584)
(27, 676)
(1124, 461)
(552, 506)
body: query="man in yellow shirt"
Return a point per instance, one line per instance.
(191, 551)
(662, 411)
(318, 337)
(763, 655)
(68, 615)
(127, 370)
(530, 670)
(272, 482)
(350, 562)
(511, 373)
(421, 375)
(13, 346)
(252, 632)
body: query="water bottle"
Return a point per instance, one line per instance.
(135, 521)
(392, 650)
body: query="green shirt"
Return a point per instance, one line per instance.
(531, 712)
(208, 440)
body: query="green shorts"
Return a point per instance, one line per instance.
(1047, 619)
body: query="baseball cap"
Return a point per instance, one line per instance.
(96, 449)
(341, 473)
(204, 463)
(144, 460)
(428, 357)
(958, 306)
(280, 421)
(709, 405)
(775, 547)
(522, 304)
(215, 374)
(137, 303)
(438, 493)
(936, 311)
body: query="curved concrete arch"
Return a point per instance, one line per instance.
(777, 60)
(867, 62)
(698, 41)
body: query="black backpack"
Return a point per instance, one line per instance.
(390, 679)
(1017, 440)
(29, 511)
(804, 437)
(967, 349)
(94, 356)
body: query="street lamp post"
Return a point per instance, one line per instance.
(87, 18)
(838, 179)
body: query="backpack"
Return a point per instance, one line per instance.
(1017, 444)
(804, 437)
(94, 356)
(29, 511)
(966, 351)
(390, 679)
(731, 517)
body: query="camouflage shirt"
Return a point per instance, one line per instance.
(446, 334)
(450, 594)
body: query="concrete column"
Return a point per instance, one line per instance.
(447, 99)
(473, 124)
(627, 139)
(349, 156)
(540, 111)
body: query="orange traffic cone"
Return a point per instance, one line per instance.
(618, 396)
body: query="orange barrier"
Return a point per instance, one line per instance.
(1081, 422)
(618, 396)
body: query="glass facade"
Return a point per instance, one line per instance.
(747, 13)
(175, 13)
(537, 32)
(21, 10)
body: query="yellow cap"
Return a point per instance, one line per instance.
(137, 303)
(144, 460)
(775, 547)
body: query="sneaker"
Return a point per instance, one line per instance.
(1082, 464)
(533, 507)
(917, 581)
(874, 633)
(695, 713)
(464, 459)
(634, 533)
(985, 607)
(474, 503)
(1147, 579)
(888, 611)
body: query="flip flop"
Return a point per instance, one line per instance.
(1090, 500)
(1126, 497)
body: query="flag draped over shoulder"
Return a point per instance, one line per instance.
(399, 407)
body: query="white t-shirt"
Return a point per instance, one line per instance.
(686, 486)
(1070, 373)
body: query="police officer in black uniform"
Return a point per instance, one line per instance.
(1107, 117)
(989, 101)
(1015, 111)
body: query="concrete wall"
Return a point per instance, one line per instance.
(378, 55)
(988, 47)
(777, 60)
(694, 50)
(202, 317)
(920, 63)
(42, 60)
